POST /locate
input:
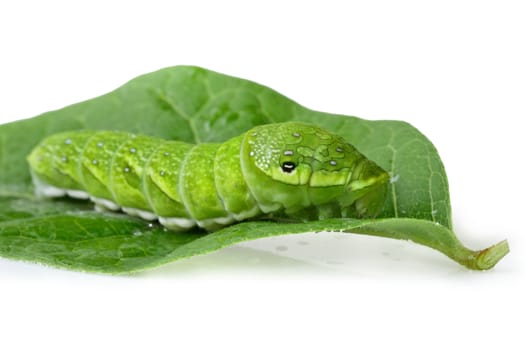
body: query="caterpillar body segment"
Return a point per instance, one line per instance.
(291, 169)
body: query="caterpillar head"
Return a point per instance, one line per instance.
(296, 166)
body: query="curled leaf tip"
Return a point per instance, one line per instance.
(487, 258)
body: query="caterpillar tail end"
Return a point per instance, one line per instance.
(45, 190)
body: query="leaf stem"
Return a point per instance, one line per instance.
(437, 237)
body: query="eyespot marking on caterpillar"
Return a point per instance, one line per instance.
(288, 167)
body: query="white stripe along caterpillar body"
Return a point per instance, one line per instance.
(290, 169)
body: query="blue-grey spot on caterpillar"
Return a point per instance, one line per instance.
(292, 170)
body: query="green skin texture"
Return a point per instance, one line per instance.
(287, 171)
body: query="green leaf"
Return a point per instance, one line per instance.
(196, 105)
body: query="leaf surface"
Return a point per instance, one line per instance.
(197, 105)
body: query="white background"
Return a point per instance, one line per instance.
(453, 69)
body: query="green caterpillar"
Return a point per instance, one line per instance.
(291, 170)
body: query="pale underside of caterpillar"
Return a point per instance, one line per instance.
(291, 170)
